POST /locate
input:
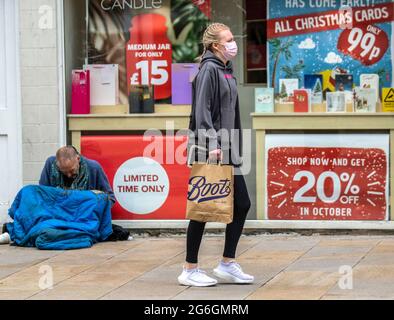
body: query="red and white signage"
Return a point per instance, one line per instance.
(149, 54)
(330, 20)
(149, 178)
(327, 177)
(367, 44)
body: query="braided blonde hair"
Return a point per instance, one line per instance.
(211, 36)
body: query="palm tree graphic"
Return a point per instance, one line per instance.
(292, 72)
(278, 48)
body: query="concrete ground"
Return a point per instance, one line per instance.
(285, 267)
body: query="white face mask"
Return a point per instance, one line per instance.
(231, 50)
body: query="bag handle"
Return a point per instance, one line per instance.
(191, 150)
(220, 162)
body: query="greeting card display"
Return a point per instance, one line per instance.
(335, 102)
(264, 99)
(286, 89)
(302, 100)
(364, 100)
(344, 83)
(328, 38)
(370, 81)
(314, 82)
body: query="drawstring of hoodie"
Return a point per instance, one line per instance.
(229, 86)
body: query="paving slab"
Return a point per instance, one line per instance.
(368, 280)
(374, 258)
(285, 267)
(296, 285)
(164, 278)
(133, 262)
(326, 264)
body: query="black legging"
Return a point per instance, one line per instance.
(195, 230)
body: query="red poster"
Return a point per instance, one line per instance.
(310, 183)
(329, 20)
(149, 54)
(145, 187)
(367, 44)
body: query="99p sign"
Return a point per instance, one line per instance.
(366, 43)
(326, 183)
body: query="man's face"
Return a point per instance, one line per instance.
(69, 167)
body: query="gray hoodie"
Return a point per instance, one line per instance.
(215, 110)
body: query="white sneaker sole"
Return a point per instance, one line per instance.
(195, 284)
(229, 278)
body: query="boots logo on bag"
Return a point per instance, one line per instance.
(203, 191)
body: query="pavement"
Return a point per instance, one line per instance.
(285, 266)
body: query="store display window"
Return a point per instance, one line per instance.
(154, 43)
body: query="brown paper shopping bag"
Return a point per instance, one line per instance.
(210, 193)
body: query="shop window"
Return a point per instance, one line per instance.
(256, 39)
(145, 42)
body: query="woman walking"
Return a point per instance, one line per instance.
(216, 110)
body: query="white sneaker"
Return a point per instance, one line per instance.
(232, 273)
(130, 238)
(5, 238)
(196, 278)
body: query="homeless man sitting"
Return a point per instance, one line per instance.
(71, 171)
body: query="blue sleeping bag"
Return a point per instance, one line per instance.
(56, 219)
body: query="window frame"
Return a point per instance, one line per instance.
(245, 50)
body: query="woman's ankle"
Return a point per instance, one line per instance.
(190, 266)
(228, 260)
